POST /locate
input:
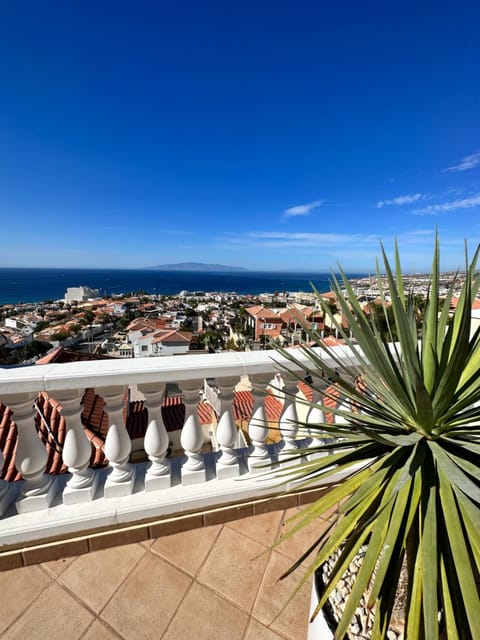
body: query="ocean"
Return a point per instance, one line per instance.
(36, 285)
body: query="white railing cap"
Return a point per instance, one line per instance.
(102, 373)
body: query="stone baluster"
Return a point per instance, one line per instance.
(121, 479)
(227, 433)
(258, 426)
(290, 386)
(8, 490)
(289, 430)
(39, 488)
(316, 416)
(158, 474)
(193, 469)
(276, 389)
(289, 419)
(344, 405)
(77, 450)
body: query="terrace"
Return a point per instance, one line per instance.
(194, 527)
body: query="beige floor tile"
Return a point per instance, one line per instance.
(233, 568)
(273, 607)
(99, 631)
(257, 631)
(95, 576)
(300, 541)
(147, 600)
(203, 615)
(262, 528)
(57, 567)
(147, 543)
(55, 615)
(187, 550)
(18, 588)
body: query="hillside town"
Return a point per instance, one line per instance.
(139, 325)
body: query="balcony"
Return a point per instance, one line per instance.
(185, 485)
(126, 494)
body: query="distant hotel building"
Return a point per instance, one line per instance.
(81, 294)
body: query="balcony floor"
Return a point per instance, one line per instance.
(218, 581)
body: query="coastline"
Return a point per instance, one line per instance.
(26, 285)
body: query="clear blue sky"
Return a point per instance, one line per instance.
(269, 135)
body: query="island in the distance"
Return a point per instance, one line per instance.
(196, 266)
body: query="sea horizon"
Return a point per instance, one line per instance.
(36, 284)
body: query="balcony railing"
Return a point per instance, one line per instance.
(142, 498)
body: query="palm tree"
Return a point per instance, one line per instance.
(408, 446)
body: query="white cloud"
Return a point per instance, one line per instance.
(302, 238)
(302, 209)
(466, 163)
(330, 242)
(356, 252)
(446, 207)
(399, 200)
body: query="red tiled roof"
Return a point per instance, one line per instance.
(60, 354)
(242, 405)
(173, 412)
(260, 312)
(454, 303)
(172, 336)
(8, 443)
(206, 413)
(330, 341)
(295, 315)
(306, 389)
(330, 399)
(254, 310)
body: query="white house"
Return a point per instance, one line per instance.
(163, 342)
(81, 294)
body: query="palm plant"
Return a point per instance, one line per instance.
(407, 446)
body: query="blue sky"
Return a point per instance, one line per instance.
(269, 135)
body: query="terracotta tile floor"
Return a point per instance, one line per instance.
(216, 582)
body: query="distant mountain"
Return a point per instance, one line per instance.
(196, 266)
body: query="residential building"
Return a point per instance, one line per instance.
(265, 323)
(80, 294)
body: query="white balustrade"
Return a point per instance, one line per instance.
(86, 501)
(316, 416)
(227, 433)
(121, 480)
(289, 419)
(158, 473)
(77, 450)
(258, 426)
(39, 488)
(288, 429)
(193, 469)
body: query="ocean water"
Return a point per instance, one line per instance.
(37, 285)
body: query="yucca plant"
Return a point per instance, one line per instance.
(408, 447)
